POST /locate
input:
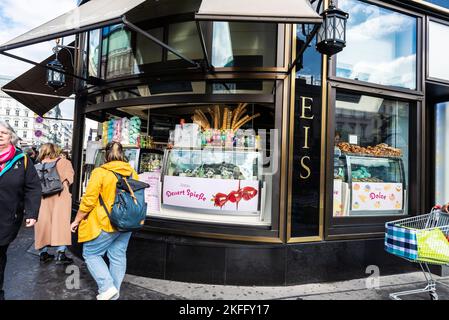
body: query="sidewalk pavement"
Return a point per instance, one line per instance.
(27, 279)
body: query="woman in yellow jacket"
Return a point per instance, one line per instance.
(95, 229)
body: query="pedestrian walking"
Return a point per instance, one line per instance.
(95, 229)
(31, 154)
(65, 154)
(20, 193)
(53, 227)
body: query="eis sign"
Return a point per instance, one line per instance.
(305, 123)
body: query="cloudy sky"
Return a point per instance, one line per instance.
(20, 16)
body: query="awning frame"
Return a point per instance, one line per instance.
(37, 94)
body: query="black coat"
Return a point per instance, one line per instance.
(20, 196)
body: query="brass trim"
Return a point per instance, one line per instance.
(208, 235)
(358, 236)
(251, 69)
(324, 107)
(431, 5)
(290, 139)
(284, 146)
(305, 239)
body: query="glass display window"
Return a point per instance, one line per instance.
(371, 156)
(205, 163)
(381, 46)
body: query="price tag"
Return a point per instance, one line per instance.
(353, 139)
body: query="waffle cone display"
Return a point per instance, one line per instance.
(223, 118)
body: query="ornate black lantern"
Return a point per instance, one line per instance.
(331, 37)
(55, 79)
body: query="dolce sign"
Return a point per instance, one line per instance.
(377, 196)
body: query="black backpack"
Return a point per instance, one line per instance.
(50, 181)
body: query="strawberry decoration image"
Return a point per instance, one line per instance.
(248, 193)
(220, 199)
(235, 196)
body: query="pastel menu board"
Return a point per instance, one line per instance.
(377, 196)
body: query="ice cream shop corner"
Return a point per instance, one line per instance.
(278, 139)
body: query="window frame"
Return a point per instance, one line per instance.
(373, 226)
(419, 53)
(178, 65)
(271, 234)
(427, 50)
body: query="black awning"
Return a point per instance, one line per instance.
(31, 89)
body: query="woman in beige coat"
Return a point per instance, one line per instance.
(53, 227)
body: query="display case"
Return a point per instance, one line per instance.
(142, 160)
(213, 180)
(369, 185)
(150, 160)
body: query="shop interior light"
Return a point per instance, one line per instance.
(331, 37)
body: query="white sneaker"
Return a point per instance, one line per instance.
(108, 294)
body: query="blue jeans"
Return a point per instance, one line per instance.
(115, 245)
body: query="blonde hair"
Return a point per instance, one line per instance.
(48, 150)
(114, 152)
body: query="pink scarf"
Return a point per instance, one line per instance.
(6, 155)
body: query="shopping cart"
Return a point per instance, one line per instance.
(422, 239)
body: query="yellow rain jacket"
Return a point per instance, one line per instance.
(102, 181)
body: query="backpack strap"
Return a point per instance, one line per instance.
(104, 206)
(119, 177)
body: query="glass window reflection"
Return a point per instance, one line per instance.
(94, 52)
(148, 51)
(381, 46)
(438, 66)
(309, 67)
(238, 44)
(185, 39)
(117, 52)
